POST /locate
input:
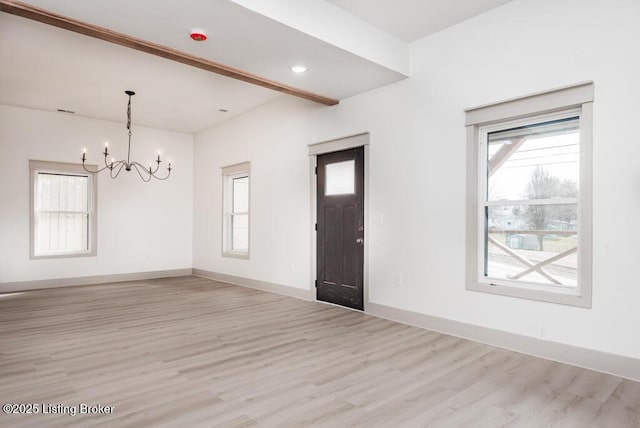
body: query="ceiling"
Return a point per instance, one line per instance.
(411, 20)
(349, 47)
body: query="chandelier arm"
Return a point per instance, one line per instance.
(118, 168)
(138, 167)
(152, 172)
(157, 167)
(163, 178)
(148, 169)
(93, 172)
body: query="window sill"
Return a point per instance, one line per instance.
(581, 301)
(236, 255)
(63, 256)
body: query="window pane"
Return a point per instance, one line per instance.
(534, 243)
(240, 188)
(61, 232)
(340, 178)
(240, 232)
(539, 161)
(57, 192)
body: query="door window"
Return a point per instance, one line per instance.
(340, 178)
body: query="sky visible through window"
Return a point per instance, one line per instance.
(557, 154)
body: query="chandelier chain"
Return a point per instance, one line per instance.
(129, 128)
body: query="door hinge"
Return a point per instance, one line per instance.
(316, 227)
(316, 170)
(316, 283)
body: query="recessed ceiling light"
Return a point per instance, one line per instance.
(299, 68)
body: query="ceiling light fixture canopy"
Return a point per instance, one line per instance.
(115, 166)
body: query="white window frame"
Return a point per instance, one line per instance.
(229, 173)
(571, 101)
(36, 167)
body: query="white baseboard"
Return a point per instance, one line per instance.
(8, 287)
(617, 365)
(272, 287)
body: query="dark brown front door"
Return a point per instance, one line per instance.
(340, 227)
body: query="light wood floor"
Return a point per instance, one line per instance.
(189, 352)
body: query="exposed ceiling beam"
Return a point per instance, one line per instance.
(41, 15)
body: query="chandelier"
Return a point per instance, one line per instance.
(114, 167)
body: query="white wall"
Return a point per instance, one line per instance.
(417, 168)
(142, 227)
(273, 138)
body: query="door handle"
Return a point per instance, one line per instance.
(359, 241)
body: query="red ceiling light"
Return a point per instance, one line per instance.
(198, 35)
